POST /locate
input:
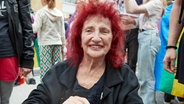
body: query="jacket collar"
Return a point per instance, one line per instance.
(113, 77)
(68, 77)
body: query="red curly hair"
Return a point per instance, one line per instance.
(115, 56)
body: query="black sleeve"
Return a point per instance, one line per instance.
(50, 90)
(27, 32)
(132, 87)
(38, 96)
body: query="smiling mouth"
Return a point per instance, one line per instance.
(96, 46)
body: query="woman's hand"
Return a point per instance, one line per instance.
(76, 100)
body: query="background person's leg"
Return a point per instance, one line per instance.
(45, 59)
(56, 54)
(132, 45)
(168, 98)
(5, 90)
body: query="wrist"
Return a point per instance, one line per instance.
(171, 47)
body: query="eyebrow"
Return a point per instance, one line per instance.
(89, 27)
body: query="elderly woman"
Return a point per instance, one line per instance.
(94, 72)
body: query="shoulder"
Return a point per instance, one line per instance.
(128, 75)
(154, 3)
(57, 12)
(125, 73)
(126, 69)
(129, 87)
(40, 12)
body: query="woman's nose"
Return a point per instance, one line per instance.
(96, 37)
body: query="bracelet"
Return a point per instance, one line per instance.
(167, 47)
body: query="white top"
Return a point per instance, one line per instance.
(50, 26)
(122, 10)
(150, 21)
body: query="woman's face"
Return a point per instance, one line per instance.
(96, 36)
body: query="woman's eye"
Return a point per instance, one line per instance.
(88, 30)
(105, 31)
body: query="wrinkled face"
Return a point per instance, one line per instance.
(96, 36)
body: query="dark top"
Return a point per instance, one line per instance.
(180, 63)
(6, 48)
(120, 86)
(20, 31)
(93, 94)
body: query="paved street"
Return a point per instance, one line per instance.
(21, 92)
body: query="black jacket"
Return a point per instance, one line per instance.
(121, 86)
(20, 31)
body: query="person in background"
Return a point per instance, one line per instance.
(149, 43)
(16, 44)
(176, 26)
(29, 78)
(131, 46)
(95, 53)
(164, 31)
(49, 23)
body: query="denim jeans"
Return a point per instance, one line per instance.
(149, 44)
